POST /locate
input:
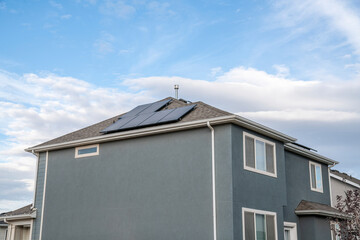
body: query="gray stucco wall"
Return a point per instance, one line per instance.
(156, 187)
(254, 190)
(2, 232)
(298, 186)
(338, 188)
(315, 228)
(39, 195)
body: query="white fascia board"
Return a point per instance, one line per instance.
(19, 217)
(345, 180)
(169, 128)
(306, 153)
(322, 213)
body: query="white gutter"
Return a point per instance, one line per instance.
(168, 128)
(345, 180)
(213, 177)
(18, 217)
(306, 153)
(36, 175)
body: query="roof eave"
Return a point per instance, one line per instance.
(309, 154)
(19, 217)
(322, 213)
(168, 128)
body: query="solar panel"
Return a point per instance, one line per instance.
(157, 117)
(156, 106)
(136, 110)
(147, 115)
(146, 108)
(177, 114)
(117, 125)
(137, 120)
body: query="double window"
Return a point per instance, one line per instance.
(259, 155)
(259, 225)
(316, 183)
(87, 151)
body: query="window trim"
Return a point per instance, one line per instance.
(292, 226)
(322, 181)
(255, 211)
(87, 154)
(255, 169)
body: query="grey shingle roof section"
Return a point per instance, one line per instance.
(314, 208)
(201, 111)
(21, 211)
(345, 176)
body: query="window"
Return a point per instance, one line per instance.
(335, 230)
(315, 177)
(259, 225)
(290, 232)
(259, 155)
(87, 151)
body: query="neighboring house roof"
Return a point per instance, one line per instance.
(24, 212)
(345, 178)
(198, 117)
(314, 208)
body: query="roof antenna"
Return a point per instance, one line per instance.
(176, 87)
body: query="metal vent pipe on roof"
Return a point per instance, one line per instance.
(176, 87)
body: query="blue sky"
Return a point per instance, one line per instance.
(291, 65)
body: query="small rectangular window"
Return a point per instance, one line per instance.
(259, 155)
(316, 183)
(259, 225)
(87, 151)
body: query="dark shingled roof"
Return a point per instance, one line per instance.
(345, 176)
(21, 211)
(201, 111)
(314, 208)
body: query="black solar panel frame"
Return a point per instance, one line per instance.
(177, 114)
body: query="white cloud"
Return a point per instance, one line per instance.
(104, 44)
(66, 16)
(56, 5)
(117, 8)
(282, 70)
(215, 71)
(341, 17)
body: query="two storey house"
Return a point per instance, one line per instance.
(173, 169)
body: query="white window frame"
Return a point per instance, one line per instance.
(87, 154)
(321, 190)
(335, 225)
(255, 211)
(255, 169)
(293, 230)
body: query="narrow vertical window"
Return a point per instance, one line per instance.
(259, 155)
(316, 183)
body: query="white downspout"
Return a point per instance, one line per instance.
(44, 193)
(213, 176)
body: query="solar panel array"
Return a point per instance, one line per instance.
(147, 115)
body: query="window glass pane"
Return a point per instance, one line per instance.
(260, 155)
(318, 177)
(270, 158)
(249, 152)
(87, 150)
(270, 227)
(260, 227)
(313, 183)
(287, 234)
(249, 226)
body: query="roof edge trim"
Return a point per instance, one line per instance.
(169, 128)
(306, 153)
(322, 213)
(19, 217)
(347, 181)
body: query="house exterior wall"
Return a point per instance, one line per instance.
(254, 190)
(338, 188)
(156, 187)
(315, 228)
(39, 190)
(298, 188)
(3, 232)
